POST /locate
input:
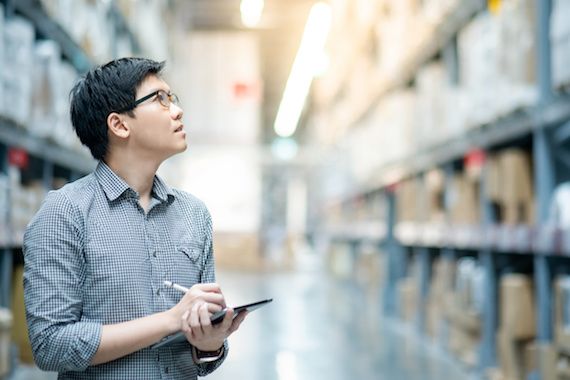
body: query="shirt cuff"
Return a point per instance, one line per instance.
(87, 341)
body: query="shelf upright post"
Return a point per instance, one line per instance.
(544, 181)
(448, 251)
(47, 175)
(423, 257)
(487, 349)
(6, 259)
(395, 255)
(544, 174)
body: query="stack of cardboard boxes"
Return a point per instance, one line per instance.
(440, 292)
(463, 311)
(562, 325)
(510, 186)
(408, 293)
(35, 83)
(434, 194)
(497, 53)
(517, 351)
(463, 200)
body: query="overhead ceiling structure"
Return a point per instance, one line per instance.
(280, 29)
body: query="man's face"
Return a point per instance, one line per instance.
(157, 131)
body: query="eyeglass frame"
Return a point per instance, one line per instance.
(172, 98)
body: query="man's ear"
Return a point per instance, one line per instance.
(117, 125)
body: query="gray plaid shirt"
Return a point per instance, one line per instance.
(93, 257)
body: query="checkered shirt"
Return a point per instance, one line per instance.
(94, 257)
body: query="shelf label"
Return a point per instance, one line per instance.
(18, 157)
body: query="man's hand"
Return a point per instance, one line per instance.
(199, 331)
(209, 295)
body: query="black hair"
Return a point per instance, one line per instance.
(105, 89)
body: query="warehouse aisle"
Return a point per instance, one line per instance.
(318, 328)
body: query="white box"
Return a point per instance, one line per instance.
(17, 69)
(560, 43)
(45, 96)
(63, 132)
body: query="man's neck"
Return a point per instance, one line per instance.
(138, 173)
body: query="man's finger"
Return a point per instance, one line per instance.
(205, 319)
(208, 287)
(227, 321)
(213, 308)
(237, 321)
(214, 298)
(194, 320)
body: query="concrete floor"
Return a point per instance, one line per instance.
(317, 328)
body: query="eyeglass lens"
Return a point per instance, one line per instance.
(166, 99)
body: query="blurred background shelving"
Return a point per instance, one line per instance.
(428, 172)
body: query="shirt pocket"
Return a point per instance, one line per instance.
(191, 250)
(188, 262)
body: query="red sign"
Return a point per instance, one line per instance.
(474, 158)
(243, 90)
(18, 157)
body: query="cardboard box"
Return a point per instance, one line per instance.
(562, 313)
(441, 285)
(517, 318)
(547, 358)
(516, 170)
(5, 328)
(20, 328)
(516, 358)
(408, 297)
(237, 251)
(371, 269)
(464, 201)
(407, 200)
(434, 189)
(464, 345)
(509, 184)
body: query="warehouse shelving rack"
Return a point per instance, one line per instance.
(51, 156)
(547, 125)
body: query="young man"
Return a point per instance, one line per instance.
(99, 250)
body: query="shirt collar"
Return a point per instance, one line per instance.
(161, 190)
(114, 186)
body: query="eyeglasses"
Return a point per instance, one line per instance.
(164, 98)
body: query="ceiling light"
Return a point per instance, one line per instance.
(251, 11)
(310, 51)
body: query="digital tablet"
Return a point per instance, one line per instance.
(215, 319)
(219, 316)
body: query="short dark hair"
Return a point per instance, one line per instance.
(103, 90)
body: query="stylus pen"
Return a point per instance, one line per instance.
(171, 284)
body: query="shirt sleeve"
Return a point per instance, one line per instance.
(54, 273)
(209, 275)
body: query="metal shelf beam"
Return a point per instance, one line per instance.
(13, 135)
